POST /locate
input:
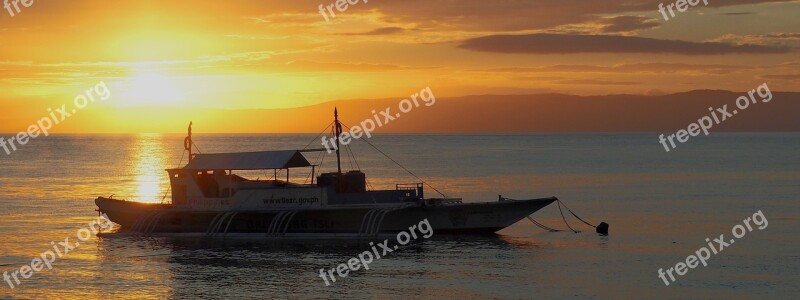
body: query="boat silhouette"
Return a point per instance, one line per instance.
(209, 200)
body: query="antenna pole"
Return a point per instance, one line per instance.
(338, 131)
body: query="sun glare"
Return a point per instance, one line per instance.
(150, 87)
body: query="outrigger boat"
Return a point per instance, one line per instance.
(209, 200)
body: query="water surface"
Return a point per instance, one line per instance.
(661, 207)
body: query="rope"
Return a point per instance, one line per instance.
(318, 135)
(179, 164)
(353, 154)
(565, 219)
(401, 166)
(307, 178)
(321, 163)
(576, 216)
(542, 226)
(349, 155)
(348, 152)
(198, 148)
(182, 155)
(369, 186)
(316, 160)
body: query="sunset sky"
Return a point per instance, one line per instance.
(199, 55)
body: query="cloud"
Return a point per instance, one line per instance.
(510, 15)
(788, 77)
(744, 13)
(627, 24)
(621, 25)
(314, 66)
(661, 68)
(575, 81)
(379, 31)
(542, 43)
(289, 19)
(774, 39)
(597, 82)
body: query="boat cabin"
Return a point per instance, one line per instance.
(208, 181)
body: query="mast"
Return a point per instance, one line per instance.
(187, 143)
(338, 131)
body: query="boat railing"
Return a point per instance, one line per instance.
(139, 199)
(211, 203)
(416, 187)
(444, 201)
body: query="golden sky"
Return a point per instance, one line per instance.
(200, 55)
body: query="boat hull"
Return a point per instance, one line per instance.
(335, 221)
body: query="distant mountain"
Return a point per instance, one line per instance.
(541, 113)
(480, 113)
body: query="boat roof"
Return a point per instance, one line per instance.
(260, 160)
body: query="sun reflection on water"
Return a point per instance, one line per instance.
(150, 179)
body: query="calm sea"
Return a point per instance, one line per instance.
(661, 207)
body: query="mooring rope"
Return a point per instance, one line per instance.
(542, 226)
(564, 218)
(576, 216)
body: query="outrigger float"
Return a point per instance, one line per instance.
(209, 200)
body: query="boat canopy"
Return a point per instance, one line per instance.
(261, 160)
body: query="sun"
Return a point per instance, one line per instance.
(151, 87)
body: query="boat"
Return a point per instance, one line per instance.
(209, 200)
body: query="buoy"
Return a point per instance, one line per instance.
(602, 228)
